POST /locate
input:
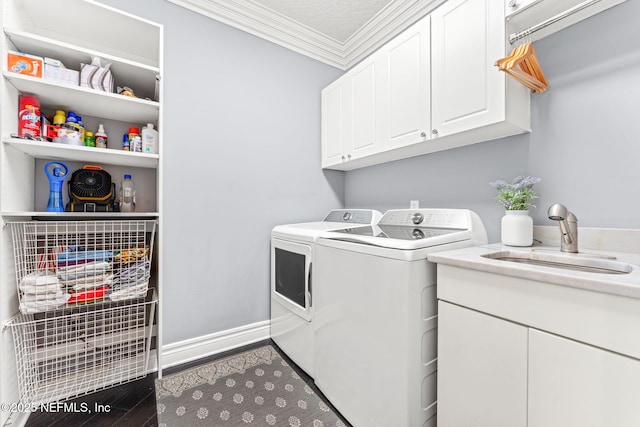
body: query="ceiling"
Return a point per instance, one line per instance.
(337, 32)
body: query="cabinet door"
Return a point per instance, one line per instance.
(365, 108)
(482, 370)
(334, 122)
(468, 91)
(406, 80)
(576, 385)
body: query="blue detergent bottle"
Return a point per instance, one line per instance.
(56, 178)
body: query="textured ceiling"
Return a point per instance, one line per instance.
(336, 19)
(337, 32)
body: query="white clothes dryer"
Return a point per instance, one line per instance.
(293, 280)
(375, 317)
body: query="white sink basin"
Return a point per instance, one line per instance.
(565, 261)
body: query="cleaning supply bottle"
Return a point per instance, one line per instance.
(135, 140)
(59, 118)
(125, 142)
(56, 178)
(101, 137)
(127, 195)
(149, 139)
(89, 140)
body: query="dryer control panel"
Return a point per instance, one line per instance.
(353, 216)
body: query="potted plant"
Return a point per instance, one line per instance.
(516, 198)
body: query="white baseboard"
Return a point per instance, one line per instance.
(196, 348)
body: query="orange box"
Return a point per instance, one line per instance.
(23, 63)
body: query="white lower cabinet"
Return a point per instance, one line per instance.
(482, 370)
(497, 373)
(572, 384)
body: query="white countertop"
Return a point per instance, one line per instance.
(627, 285)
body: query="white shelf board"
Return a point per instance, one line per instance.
(58, 151)
(82, 215)
(86, 101)
(133, 74)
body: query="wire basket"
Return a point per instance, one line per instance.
(60, 264)
(69, 353)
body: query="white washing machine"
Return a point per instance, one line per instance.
(293, 282)
(375, 317)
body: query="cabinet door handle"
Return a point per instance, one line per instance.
(435, 131)
(423, 135)
(342, 157)
(349, 156)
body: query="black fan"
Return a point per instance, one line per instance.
(91, 190)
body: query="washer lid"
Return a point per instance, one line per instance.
(336, 219)
(399, 237)
(415, 229)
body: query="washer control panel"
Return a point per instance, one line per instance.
(434, 218)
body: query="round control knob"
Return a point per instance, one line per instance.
(346, 216)
(417, 218)
(417, 234)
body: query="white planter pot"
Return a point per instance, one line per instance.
(517, 228)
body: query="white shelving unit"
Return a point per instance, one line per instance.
(75, 31)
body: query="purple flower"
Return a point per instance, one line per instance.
(516, 195)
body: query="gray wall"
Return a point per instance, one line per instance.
(251, 161)
(585, 144)
(255, 161)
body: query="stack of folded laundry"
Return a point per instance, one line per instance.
(41, 291)
(86, 275)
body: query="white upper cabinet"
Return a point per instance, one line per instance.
(334, 129)
(436, 88)
(468, 91)
(406, 76)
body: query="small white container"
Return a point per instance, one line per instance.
(517, 228)
(149, 139)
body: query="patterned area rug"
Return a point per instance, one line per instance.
(256, 387)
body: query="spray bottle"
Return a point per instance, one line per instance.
(56, 178)
(101, 137)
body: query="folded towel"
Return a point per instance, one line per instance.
(29, 307)
(42, 296)
(137, 291)
(39, 278)
(130, 255)
(40, 289)
(76, 254)
(133, 275)
(83, 270)
(89, 282)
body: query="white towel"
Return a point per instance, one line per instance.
(130, 292)
(41, 296)
(29, 307)
(39, 278)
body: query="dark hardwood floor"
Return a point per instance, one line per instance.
(134, 403)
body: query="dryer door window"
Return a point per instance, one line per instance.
(290, 276)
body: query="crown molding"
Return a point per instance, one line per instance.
(253, 18)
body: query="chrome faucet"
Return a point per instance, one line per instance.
(568, 227)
